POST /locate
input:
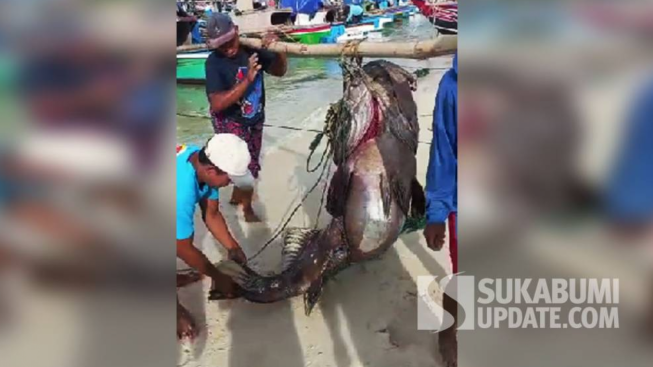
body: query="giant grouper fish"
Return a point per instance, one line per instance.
(373, 135)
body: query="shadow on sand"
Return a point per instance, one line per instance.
(353, 297)
(261, 334)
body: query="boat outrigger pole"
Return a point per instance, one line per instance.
(439, 46)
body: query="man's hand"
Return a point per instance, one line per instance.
(218, 227)
(268, 39)
(254, 68)
(236, 254)
(434, 234)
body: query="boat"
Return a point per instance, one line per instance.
(310, 35)
(341, 33)
(190, 67)
(443, 15)
(396, 12)
(260, 21)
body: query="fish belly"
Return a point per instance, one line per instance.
(370, 227)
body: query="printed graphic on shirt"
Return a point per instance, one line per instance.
(250, 105)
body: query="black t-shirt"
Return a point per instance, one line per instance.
(222, 74)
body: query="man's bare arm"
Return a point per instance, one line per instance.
(220, 101)
(195, 258)
(279, 66)
(218, 227)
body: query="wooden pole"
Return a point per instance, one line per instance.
(439, 46)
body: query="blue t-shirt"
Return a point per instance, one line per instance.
(189, 192)
(223, 73)
(354, 11)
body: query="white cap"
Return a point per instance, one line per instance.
(230, 154)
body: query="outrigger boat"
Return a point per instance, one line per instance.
(190, 65)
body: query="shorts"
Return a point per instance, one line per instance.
(252, 135)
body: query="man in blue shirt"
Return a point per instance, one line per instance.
(354, 14)
(382, 4)
(442, 191)
(629, 195)
(441, 179)
(200, 172)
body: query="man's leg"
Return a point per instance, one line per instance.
(254, 143)
(236, 197)
(253, 136)
(244, 197)
(185, 324)
(248, 210)
(448, 340)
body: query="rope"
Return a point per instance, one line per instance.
(284, 126)
(334, 129)
(281, 228)
(190, 115)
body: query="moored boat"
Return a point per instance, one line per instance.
(443, 15)
(310, 35)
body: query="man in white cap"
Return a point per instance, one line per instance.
(200, 173)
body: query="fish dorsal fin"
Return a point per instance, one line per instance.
(294, 241)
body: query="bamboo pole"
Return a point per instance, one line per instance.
(439, 46)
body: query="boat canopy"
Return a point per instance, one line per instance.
(301, 6)
(354, 2)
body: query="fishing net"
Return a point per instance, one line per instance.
(338, 126)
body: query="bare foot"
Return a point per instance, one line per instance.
(448, 342)
(185, 324)
(250, 216)
(236, 197)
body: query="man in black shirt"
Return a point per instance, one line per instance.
(236, 93)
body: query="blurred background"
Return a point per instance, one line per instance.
(86, 183)
(555, 169)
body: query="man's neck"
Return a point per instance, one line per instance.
(194, 160)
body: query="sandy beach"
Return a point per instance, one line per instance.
(367, 315)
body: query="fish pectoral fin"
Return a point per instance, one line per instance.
(400, 193)
(312, 295)
(294, 241)
(417, 200)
